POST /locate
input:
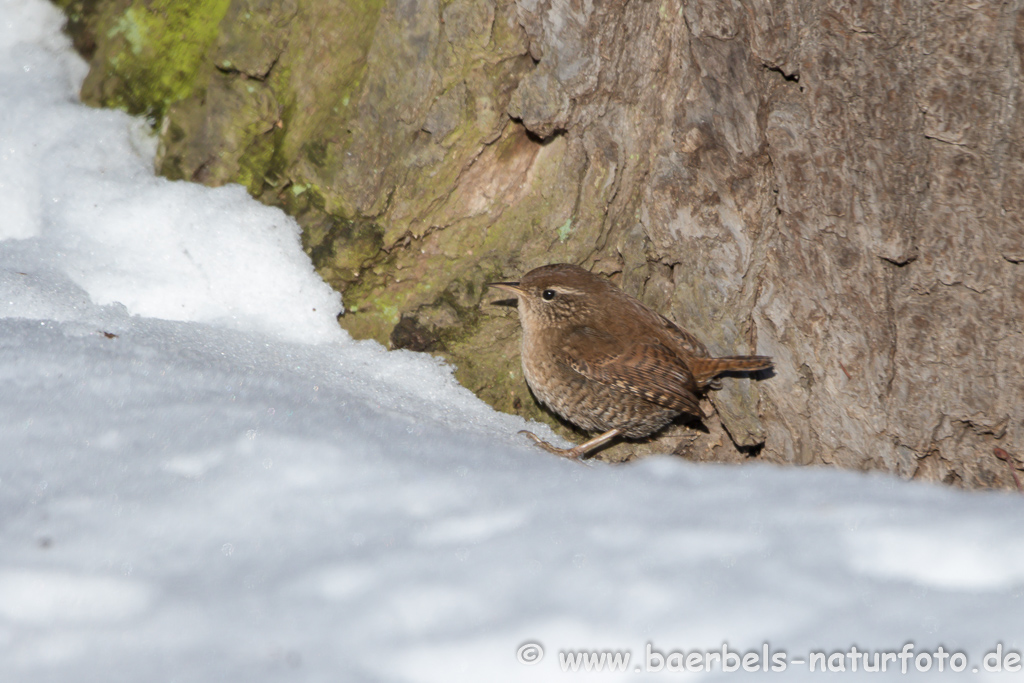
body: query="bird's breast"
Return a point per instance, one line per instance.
(540, 368)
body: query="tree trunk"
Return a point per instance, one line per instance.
(835, 184)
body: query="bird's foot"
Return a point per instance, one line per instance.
(579, 452)
(570, 453)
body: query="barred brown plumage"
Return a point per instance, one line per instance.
(605, 362)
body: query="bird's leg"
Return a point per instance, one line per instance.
(578, 451)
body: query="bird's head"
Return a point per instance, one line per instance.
(557, 294)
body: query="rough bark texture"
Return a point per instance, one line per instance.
(836, 184)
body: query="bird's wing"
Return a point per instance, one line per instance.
(644, 368)
(681, 340)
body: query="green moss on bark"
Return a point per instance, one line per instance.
(152, 53)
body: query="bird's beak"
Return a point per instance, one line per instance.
(512, 287)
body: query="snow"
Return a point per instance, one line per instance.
(79, 184)
(203, 478)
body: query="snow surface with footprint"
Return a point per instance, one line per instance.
(203, 478)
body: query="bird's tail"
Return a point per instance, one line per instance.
(706, 369)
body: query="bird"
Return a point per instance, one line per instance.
(607, 363)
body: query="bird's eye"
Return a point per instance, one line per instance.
(548, 294)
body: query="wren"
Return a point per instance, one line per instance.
(605, 362)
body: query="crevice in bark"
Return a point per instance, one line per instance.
(257, 76)
(793, 77)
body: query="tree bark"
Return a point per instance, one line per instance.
(835, 184)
